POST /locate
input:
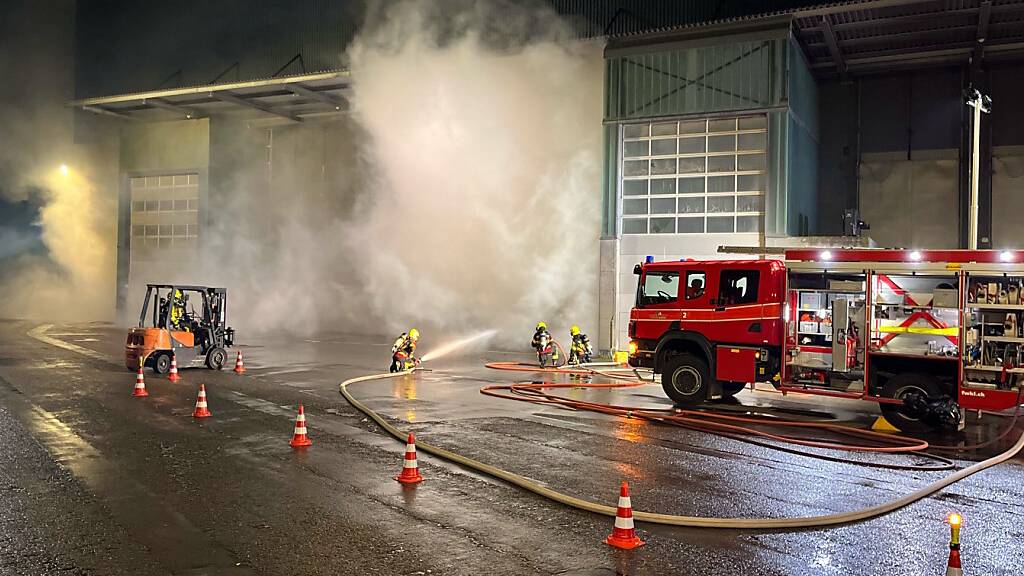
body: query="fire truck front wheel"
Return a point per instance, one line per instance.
(685, 379)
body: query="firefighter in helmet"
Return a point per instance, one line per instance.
(402, 353)
(178, 313)
(544, 344)
(581, 350)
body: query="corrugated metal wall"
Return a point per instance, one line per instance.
(706, 79)
(801, 149)
(130, 46)
(701, 80)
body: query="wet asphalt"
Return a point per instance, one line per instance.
(93, 481)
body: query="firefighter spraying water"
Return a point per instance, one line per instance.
(581, 351)
(403, 351)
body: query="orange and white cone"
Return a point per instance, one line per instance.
(173, 375)
(140, 385)
(410, 469)
(623, 536)
(953, 566)
(239, 365)
(201, 410)
(299, 439)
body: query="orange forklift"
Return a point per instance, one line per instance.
(170, 326)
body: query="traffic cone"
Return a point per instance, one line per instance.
(299, 439)
(239, 366)
(140, 384)
(953, 565)
(623, 536)
(173, 375)
(201, 410)
(410, 469)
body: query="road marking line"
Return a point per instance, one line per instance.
(39, 333)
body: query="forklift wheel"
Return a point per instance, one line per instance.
(162, 363)
(215, 358)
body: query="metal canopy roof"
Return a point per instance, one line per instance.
(864, 36)
(291, 98)
(861, 37)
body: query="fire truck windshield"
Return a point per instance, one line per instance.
(658, 288)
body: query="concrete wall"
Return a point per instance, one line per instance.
(1007, 197)
(917, 119)
(890, 119)
(911, 203)
(149, 149)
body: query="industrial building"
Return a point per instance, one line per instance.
(725, 124)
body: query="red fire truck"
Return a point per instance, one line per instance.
(926, 334)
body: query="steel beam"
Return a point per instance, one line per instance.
(237, 100)
(910, 36)
(302, 90)
(984, 15)
(887, 21)
(210, 88)
(833, 46)
(188, 113)
(105, 112)
(847, 7)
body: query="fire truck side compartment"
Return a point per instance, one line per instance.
(737, 364)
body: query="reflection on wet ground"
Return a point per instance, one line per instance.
(256, 494)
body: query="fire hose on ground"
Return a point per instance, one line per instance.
(672, 519)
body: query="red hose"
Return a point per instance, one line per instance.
(736, 427)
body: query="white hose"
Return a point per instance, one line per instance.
(671, 519)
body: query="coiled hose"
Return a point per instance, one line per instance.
(672, 519)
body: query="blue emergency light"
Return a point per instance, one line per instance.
(649, 259)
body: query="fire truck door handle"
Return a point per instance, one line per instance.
(720, 309)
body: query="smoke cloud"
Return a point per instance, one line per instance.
(57, 256)
(465, 195)
(485, 207)
(461, 193)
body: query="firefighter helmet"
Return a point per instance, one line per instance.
(542, 326)
(414, 334)
(575, 330)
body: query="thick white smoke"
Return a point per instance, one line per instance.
(71, 276)
(485, 206)
(74, 280)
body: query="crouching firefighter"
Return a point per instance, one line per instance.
(581, 350)
(402, 357)
(544, 344)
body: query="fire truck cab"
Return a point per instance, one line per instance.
(926, 334)
(708, 327)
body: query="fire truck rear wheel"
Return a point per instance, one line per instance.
(685, 379)
(900, 386)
